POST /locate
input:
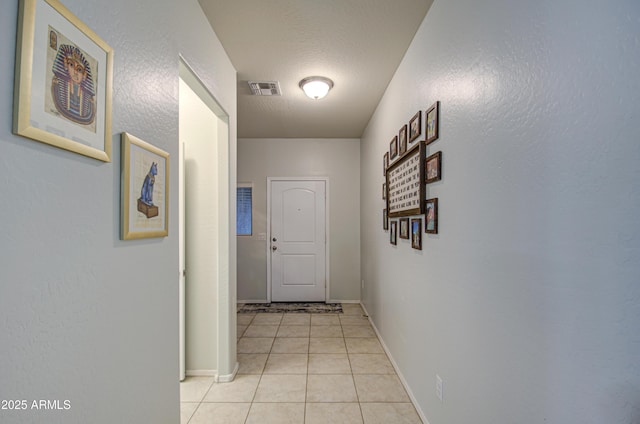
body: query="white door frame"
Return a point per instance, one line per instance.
(326, 229)
(182, 267)
(227, 365)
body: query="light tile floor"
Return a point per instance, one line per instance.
(303, 368)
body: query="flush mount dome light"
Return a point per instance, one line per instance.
(316, 87)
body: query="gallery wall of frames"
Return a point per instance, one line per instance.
(408, 169)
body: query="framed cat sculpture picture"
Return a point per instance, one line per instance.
(145, 189)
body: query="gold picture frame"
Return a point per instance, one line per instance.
(145, 189)
(63, 81)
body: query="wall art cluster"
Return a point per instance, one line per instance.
(63, 97)
(407, 170)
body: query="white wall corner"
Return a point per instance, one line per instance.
(228, 377)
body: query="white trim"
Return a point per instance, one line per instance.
(343, 301)
(395, 367)
(194, 81)
(327, 275)
(182, 261)
(254, 301)
(229, 377)
(226, 309)
(201, 373)
(268, 244)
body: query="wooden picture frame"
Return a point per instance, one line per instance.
(433, 167)
(431, 216)
(145, 189)
(393, 233)
(405, 183)
(431, 117)
(393, 148)
(404, 228)
(416, 233)
(385, 163)
(63, 81)
(415, 126)
(402, 140)
(385, 220)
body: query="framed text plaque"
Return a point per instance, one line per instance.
(405, 183)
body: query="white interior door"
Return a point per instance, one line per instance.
(298, 241)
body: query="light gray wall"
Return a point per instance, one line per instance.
(527, 301)
(84, 316)
(338, 159)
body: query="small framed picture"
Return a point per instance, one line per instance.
(431, 116)
(431, 216)
(434, 167)
(415, 126)
(385, 220)
(145, 189)
(393, 234)
(384, 191)
(385, 163)
(404, 228)
(402, 140)
(393, 148)
(416, 233)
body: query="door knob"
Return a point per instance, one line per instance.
(275, 239)
(274, 248)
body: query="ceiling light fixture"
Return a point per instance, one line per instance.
(316, 87)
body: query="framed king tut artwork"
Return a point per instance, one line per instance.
(63, 81)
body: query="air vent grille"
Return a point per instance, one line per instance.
(265, 88)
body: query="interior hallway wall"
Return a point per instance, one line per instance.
(199, 133)
(84, 316)
(527, 302)
(338, 159)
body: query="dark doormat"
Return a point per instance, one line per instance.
(311, 307)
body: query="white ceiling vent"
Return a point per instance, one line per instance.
(265, 88)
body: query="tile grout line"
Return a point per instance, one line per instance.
(259, 380)
(306, 385)
(355, 387)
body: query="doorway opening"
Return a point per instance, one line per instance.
(207, 300)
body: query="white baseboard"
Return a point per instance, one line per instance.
(229, 377)
(395, 366)
(252, 301)
(343, 301)
(201, 373)
(213, 373)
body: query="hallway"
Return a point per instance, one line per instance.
(302, 368)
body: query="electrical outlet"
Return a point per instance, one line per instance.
(439, 392)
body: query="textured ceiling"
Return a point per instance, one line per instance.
(356, 43)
